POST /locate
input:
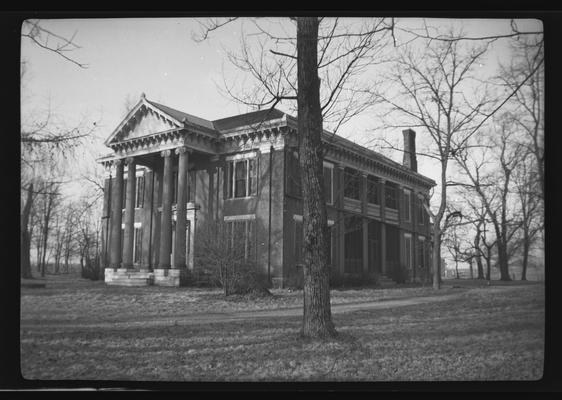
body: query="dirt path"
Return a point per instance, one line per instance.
(220, 317)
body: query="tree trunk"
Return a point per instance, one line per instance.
(317, 318)
(525, 257)
(502, 261)
(47, 217)
(471, 269)
(479, 267)
(25, 236)
(436, 257)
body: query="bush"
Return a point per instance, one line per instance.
(223, 264)
(243, 278)
(90, 269)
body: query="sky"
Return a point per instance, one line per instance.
(158, 57)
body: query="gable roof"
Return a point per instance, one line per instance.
(181, 116)
(254, 117)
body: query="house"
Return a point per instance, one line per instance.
(170, 172)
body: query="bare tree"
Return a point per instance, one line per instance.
(526, 72)
(431, 90)
(495, 187)
(44, 139)
(528, 191)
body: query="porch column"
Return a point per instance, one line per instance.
(129, 234)
(116, 217)
(166, 222)
(365, 230)
(181, 208)
(340, 223)
(382, 202)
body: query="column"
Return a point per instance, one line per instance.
(365, 246)
(129, 233)
(181, 208)
(116, 216)
(147, 216)
(166, 222)
(339, 169)
(365, 237)
(384, 267)
(382, 201)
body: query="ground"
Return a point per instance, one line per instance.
(78, 329)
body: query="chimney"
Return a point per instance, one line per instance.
(410, 160)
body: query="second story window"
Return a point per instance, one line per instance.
(390, 197)
(422, 215)
(242, 178)
(352, 184)
(372, 190)
(407, 205)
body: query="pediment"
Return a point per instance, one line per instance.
(143, 120)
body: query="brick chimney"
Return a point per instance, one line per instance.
(409, 159)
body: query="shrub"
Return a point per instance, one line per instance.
(226, 265)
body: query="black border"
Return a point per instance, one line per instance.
(10, 377)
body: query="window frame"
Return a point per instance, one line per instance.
(373, 182)
(250, 178)
(407, 212)
(347, 183)
(250, 236)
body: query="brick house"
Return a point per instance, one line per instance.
(169, 172)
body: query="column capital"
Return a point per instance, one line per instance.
(117, 162)
(182, 150)
(166, 153)
(129, 160)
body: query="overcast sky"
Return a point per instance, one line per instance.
(127, 57)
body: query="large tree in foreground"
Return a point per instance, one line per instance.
(317, 320)
(318, 68)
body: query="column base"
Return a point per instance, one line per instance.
(173, 277)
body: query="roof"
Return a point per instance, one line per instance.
(180, 116)
(250, 118)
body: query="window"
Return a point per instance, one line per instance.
(139, 198)
(408, 250)
(137, 249)
(421, 252)
(241, 235)
(328, 183)
(390, 197)
(242, 178)
(353, 245)
(352, 184)
(422, 215)
(407, 205)
(292, 173)
(372, 190)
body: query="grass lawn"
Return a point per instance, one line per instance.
(77, 329)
